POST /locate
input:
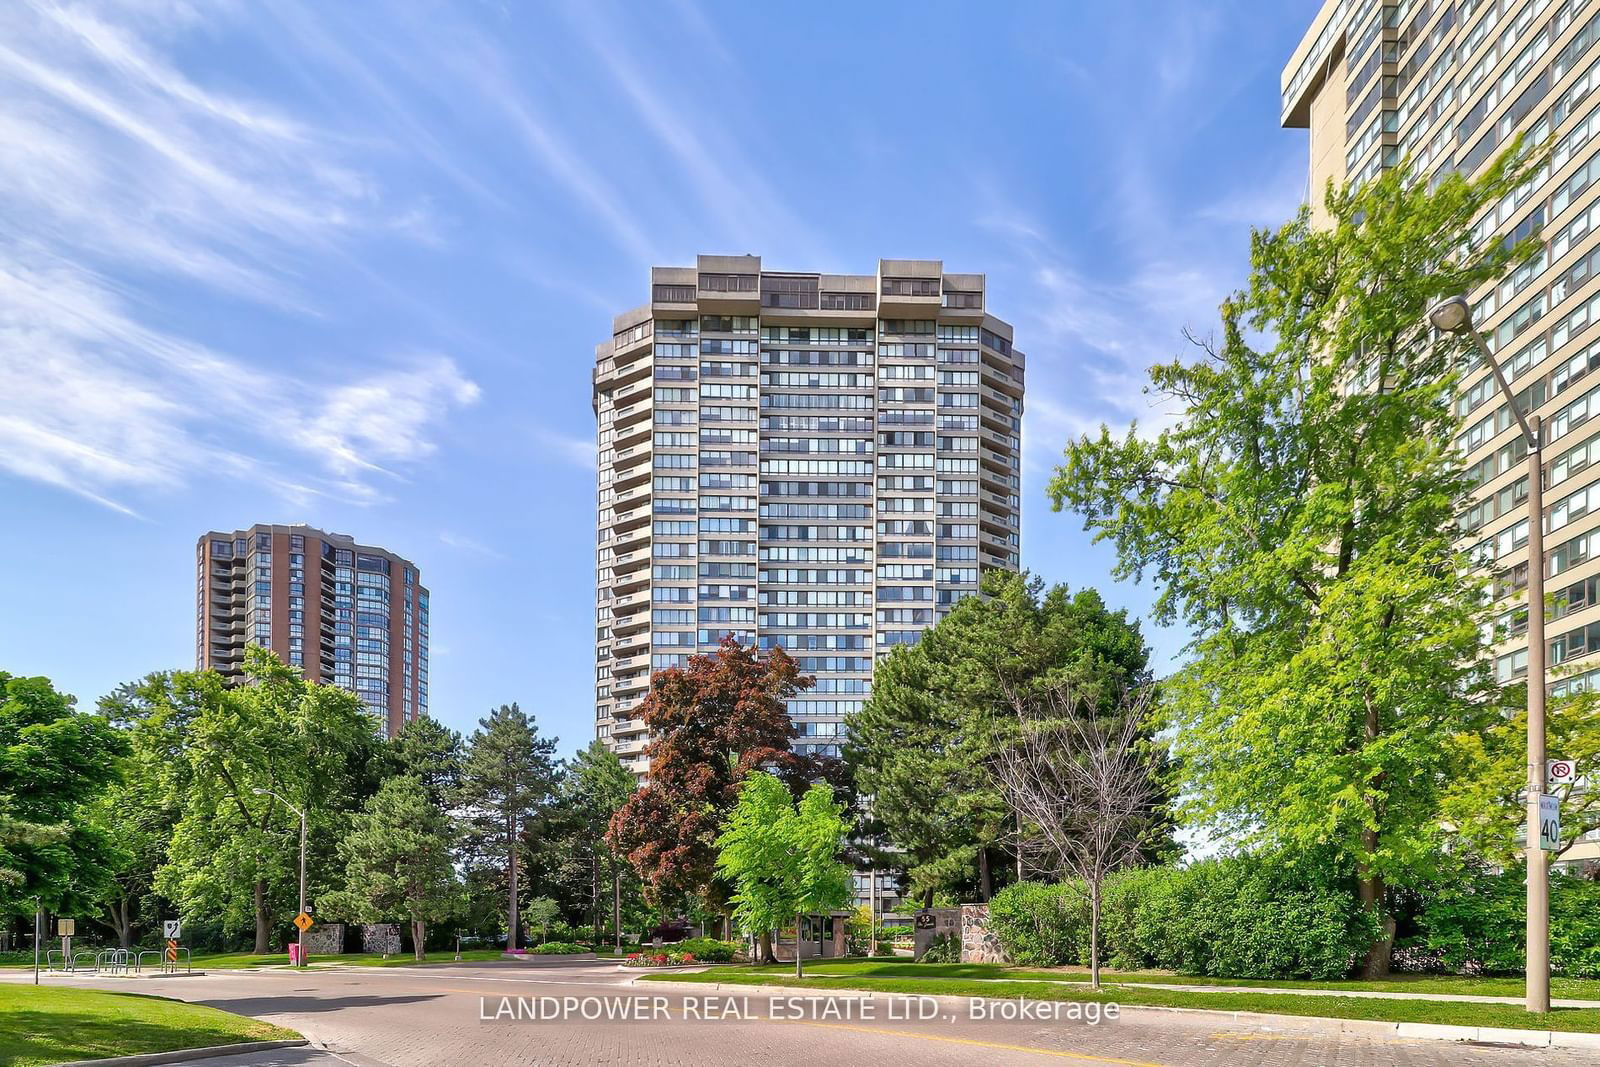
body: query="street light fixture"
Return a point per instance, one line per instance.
(1454, 315)
(301, 939)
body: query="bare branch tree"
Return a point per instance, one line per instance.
(1084, 786)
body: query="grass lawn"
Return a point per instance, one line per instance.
(1575, 988)
(867, 977)
(49, 1024)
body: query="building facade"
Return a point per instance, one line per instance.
(347, 614)
(1448, 85)
(814, 462)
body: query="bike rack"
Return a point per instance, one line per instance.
(94, 962)
(114, 960)
(160, 956)
(54, 961)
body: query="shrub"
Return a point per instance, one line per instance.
(1137, 910)
(944, 948)
(558, 948)
(709, 949)
(1041, 925)
(1473, 922)
(890, 933)
(1252, 916)
(1575, 926)
(1476, 922)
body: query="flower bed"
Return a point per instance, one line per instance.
(658, 959)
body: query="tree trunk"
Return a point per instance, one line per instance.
(262, 932)
(764, 949)
(1370, 888)
(927, 899)
(616, 905)
(419, 937)
(118, 916)
(594, 903)
(985, 880)
(1094, 935)
(1370, 892)
(799, 967)
(511, 905)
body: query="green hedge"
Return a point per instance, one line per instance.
(709, 949)
(1476, 922)
(559, 948)
(1241, 917)
(1041, 925)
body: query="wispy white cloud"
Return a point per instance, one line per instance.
(100, 404)
(121, 175)
(732, 190)
(569, 448)
(468, 544)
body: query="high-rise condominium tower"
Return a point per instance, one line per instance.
(1449, 85)
(818, 462)
(350, 615)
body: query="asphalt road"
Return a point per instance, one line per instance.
(493, 1014)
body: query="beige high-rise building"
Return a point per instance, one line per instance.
(346, 614)
(818, 462)
(1449, 85)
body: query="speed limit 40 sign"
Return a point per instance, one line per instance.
(1560, 772)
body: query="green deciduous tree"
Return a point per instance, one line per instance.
(539, 913)
(1299, 516)
(506, 780)
(783, 858)
(138, 813)
(398, 860)
(234, 854)
(54, 761)
(924, 747)
(1485, 798)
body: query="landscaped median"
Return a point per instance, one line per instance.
(49, 1024)
(1134, 990)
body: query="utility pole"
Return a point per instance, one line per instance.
(1454, 315)
(38, 936)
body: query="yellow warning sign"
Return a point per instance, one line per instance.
(302, 922)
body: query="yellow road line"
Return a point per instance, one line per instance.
(971, 1042)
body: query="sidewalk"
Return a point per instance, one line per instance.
(1187, 987)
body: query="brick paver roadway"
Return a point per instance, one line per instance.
(499, 1014)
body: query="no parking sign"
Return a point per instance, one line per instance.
(1560, 772)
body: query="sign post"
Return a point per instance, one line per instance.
(1549, 823)
(65, 928)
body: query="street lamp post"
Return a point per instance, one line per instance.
(301, 938)
(1454, 315)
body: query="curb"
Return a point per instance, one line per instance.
(1262, 1020)
(183, 1055)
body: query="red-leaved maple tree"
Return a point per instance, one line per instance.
(711, 724)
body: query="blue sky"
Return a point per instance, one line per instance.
(346, 264)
